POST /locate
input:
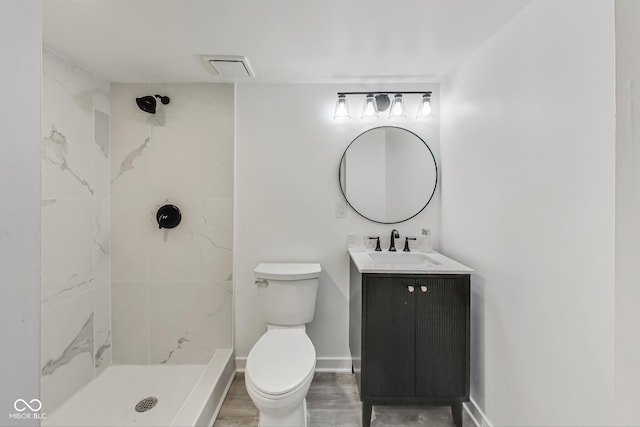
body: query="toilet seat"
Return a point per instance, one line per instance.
(280, 362)
(278, 401)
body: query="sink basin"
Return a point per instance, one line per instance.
(416, 262)
(402, 258)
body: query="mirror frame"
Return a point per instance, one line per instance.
(435, 185)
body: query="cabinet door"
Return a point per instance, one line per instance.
(442, 336)
(388, 337)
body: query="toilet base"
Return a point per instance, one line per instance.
(297, 417)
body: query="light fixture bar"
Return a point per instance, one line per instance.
(422, 92)
(376, 102)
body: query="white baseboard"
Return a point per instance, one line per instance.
(333, 364)
(323, 364)
(241, 364)
(476, 414)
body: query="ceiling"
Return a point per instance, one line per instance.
(286, 41)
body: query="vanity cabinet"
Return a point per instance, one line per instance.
(409, 339)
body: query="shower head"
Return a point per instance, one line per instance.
(148, 103)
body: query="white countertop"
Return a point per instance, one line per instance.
(435, 263)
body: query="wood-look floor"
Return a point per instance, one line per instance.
(333, 401)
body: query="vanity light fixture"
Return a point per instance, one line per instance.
(370, 110)
(342, 108)
(375, 102)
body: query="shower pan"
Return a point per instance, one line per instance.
(172, 395)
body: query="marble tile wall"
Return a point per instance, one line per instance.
(75, 221)
(172, 289)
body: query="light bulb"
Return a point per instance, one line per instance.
(342, 108)
(370, 111)
(425, 107)
(397, 107)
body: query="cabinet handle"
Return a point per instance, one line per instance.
(423, 288)
(411, 288)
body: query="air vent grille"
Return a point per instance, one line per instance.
(229, 66)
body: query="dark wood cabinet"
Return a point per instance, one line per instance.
(409, 339)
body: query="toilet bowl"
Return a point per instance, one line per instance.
(281, 364)
(279, 371)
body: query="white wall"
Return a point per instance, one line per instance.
(21, 46)
(288, 148)
(627, 211)
(171, 288)
(528, 202)
(76, 321)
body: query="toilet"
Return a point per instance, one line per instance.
(281, 364)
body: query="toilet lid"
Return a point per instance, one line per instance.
(287, 271)
(280, 361)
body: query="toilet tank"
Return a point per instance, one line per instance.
(287, 292)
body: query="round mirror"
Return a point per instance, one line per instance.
(388, 174)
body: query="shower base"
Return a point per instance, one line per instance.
(187, 395)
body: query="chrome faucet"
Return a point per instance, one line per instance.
(394, 235)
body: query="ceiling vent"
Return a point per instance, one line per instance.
(229, 66)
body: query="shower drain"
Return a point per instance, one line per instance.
(146, 404)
